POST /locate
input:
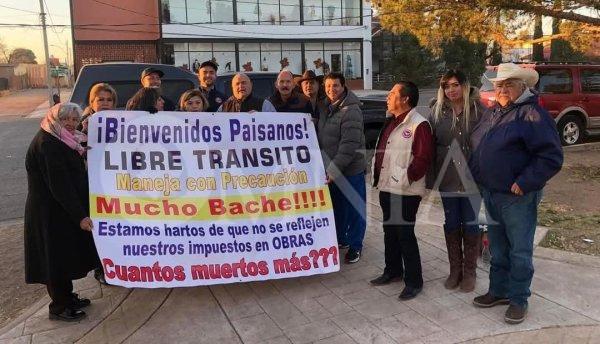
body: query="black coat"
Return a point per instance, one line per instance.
(56, 248)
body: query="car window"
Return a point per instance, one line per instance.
(590, 80)
(555, 81)
(171, 89)
(486, 84)
(263, 87)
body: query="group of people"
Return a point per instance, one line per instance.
(501, 156)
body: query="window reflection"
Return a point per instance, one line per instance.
(266, 12)
(321, 57)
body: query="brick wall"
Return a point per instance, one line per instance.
(98, 51)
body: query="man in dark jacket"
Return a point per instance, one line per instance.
(342, 142)
(207, 75)
(151, 77)
(242, 99)
(516, 151)
(286, 99)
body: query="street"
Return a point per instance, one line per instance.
(15, 136)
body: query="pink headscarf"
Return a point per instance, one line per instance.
(51, 124)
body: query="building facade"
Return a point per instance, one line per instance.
(239, 35)
(269, 35)
(115, 31)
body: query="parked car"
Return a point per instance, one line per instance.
(263, 83)
(569, 91)
(125, 78)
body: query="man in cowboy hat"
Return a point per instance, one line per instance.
(516, 151)
(310, 84)
(286, 98)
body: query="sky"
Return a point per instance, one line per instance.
(32, 38)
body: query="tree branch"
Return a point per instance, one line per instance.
(549, 12)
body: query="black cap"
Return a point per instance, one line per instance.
(209, 64)
(151, 70)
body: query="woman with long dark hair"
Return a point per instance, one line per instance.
(146, 99)
(456, 111)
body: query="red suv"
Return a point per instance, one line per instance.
(569, 91)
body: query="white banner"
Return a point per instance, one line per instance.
(185, 199)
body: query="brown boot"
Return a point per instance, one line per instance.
(455, 257)
(471, 242)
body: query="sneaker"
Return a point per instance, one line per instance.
(488, 300)
(515, 314)
(352, 256)
(343, 246)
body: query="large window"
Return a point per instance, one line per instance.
(322, 57)
(352, 60)
(198, 12)
(249, 57)
(221, 11)
(332, 12)
(265, 12)
(313, 12)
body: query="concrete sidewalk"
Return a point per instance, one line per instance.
(335, 308)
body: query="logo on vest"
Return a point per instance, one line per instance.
(407, 133)
(218, 100)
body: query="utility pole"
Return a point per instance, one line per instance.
(48, 74)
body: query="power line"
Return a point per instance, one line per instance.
(123, 9)
(52, 27)
(18, 9)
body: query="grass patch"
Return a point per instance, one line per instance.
(567, 229)
(584, 173)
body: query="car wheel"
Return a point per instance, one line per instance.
(570, 130)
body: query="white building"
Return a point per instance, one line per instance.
(268, 35)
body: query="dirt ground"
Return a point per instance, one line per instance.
(15, 295)
(571, 204)
(21, 103)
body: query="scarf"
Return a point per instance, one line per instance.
(52, 126)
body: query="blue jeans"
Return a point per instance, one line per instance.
(348, 195)
(511, 243)
(461, 211)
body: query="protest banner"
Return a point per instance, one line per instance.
(185, 199)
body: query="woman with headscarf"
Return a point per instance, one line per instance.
(58, 242)
(455, 114)
(102, 97)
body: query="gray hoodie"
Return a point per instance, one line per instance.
(341, 136)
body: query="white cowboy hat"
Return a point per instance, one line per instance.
(513, 71)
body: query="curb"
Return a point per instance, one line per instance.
(584, 147)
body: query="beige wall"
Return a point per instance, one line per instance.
(117, 12)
